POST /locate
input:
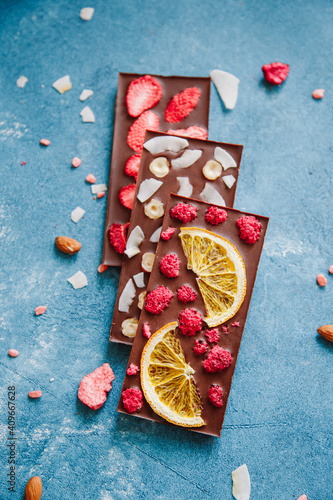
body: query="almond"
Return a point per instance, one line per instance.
(326, 331)
(67, 245)
(33, 489)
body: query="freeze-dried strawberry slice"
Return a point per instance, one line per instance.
(136, 134)
(182, 104)
(193, 132)
(126, 195)
(132, 166)
(143, 93)
(117, 236)
(95, 386)
(276, 72)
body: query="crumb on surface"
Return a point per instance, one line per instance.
(132, 400)
(190, 322)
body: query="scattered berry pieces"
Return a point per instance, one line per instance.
(95, 386)
(169, 265)
(303, 497)
(132, 400)
(215, 215)
(76, 162)
(200, 347)
(117, 236)
(23, 162)
(235, 324)
(330, 269)
(212, 335)
(91, 178)
(45, 142)
(225, 330)
(132, 166)
(318, 93)
(35, 394)
(166, 235)
(215, 395)
(217, 360)
(158, 300)
(249, 229)
(136, 134)
(193, 132)
(40, 310)
(146, 331)
(126, 195)
(100, 194)
(276, 72)
(185, 294)
(13, 353)
(132, 369)
(182, 104)
(190, 322)
(142, 94)
(321, 280)
(183, 212)
(102, 268)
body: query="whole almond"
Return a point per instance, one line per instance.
(67, 245)
(33, 489)
(326, 331)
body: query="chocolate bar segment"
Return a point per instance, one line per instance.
(121, 151)
(132, 265)
(230, 332)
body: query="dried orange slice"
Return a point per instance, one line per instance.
(220, 269)
(167, 380)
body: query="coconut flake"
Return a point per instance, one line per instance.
(241, 483)
(147, 188)
(187, 159)
(62, 84)
(139, 280)
(156, 235)
(224, 158)
(86, 13)
(211, 195)
(229, 180)
(21, 81)
(97, 188)
(160, 144)
(134, 240)
(126, 297)
(85, 94)
(77, 214)
(87, 115)
(186, 187)
(78, 280)
(227, 87)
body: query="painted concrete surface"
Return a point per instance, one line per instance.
(279, 415)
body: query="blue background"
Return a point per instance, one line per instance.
(279, 415)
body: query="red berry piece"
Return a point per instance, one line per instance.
(166, 235)
(132, 400)
(186, 294)
(215, 215)
(217, 360)
(215, 395)
(169, 265)
(212, 335)
(132, 369)
(95, 386)
(158, 300)
(117, 236)
(136, 134)
(146, 331)
(182, 104)
(126, 195)
(200, 347)
(192, 132)
(249, 229)
(183, 212)
(132, 166)
(276, 72)
(143, 93)
(190, 322)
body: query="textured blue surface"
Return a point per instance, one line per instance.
(279, 416)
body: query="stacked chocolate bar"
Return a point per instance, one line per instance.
(188, 262)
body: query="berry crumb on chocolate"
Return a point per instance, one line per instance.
(215, 215)
(190, 322)
(186, 294)
(132, 400)
(158, 300)
(184, 212)
(169, 265)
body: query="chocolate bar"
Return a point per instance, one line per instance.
(168, 86)
(169, 177)
(197, 301)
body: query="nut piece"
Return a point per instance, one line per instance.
(326, 331)
(154, 209)
(67, 245)
(212, 170)
(129, 327)
(141, 299)
(33, 489)
(147, 261)
(159, 167)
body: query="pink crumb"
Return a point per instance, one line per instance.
(132, 400)
(183, 212)
(102, 268)
(45, 142)
(249, 229)
(166, 235)
(212, 335)
(13, 353)
(190, 322)
(91, 178)
(35, 394)
(94, 387)
(321, 280)
(217, 360)
(215, 395)
(146, 331)
(169, 265)
(318, 93)
(200, 347)
(23, 162)
(225, 330)
(158, 300)
(186, 294)
(76, 162)
(235, 323)
(100, 194)
(132, 369)
(40, 310)
(276, 72)
(302, 497)
(215, 215)
(330, 269)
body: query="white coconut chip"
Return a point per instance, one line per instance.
(211, 195)
(134, 240)
(127, 296)
(229, 180)
(85, 94)
(227, 87)
(147, 188)
(78, 280)
(156, 235)
(62, 84)
(21, 81)
(187, 159)
(86, 13)
(77, 214)
(186, 187)
(97, 188)
(241, 483)
(139, 280)
(224, 158)
(160, 144)
(87, 115)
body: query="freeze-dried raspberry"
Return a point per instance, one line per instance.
(217, 360)
(183, 212)
(117, 236)
(276, 72)
(225, 330)
(132, 369)
(166, 235)
(182, 104)
(215, 215)
(132, 400)
(200, 347)
(190, 322)
(158, 300)
(146, 331)
(186, 294)
(194, 132)
(169, 265)
(215, 395)
(249, 229)
(212, 335)
(235, 324)
(95, 386)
